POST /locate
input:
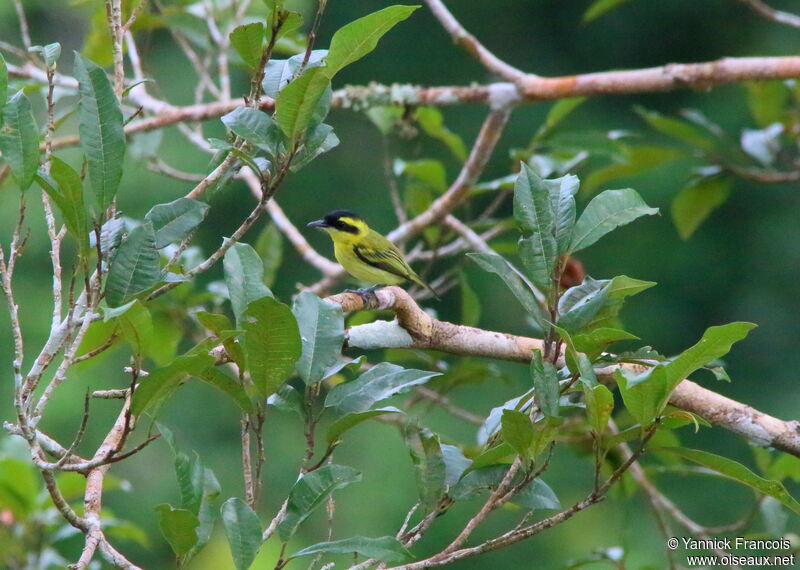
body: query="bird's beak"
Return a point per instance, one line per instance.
(318, 224)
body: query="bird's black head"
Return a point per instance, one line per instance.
(341, 220)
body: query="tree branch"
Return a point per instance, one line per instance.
(470, 43)
(414, 328)
(766, 11)
(528, 89)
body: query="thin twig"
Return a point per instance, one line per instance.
(471, 44)
(766, 11)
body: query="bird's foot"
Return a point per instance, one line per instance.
(367, 294)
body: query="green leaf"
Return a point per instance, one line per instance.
(386, 549)
(645, 395)
(295, 103)
(496, 264)
(3, 83)
(134, 268)
(695, 202)
(269, 247)
(545, 382)
(767, 101)
(207, 513)
(358, 38)
(620, 288)
(562, 199)
(135, 323)
(455, 464)
(233, 388)
(347, 421)
(642, 399)
(244, 276)
(280, 72)
(179, 528)
(317, 141)
(310, 491)
(322, 333)
(599, 405)
(243, 529)
(532, 206)
(155, 388)
(606, 212)
(254, 126)
(376, 384)
(174, 220)
(737, 472)
(271, 343)
(432, 122)
(51, 53)
(536, 495)
(470, 303)
(715, 343)
(248, 41)
(100, 125)
(517, 430)
(19, 139)
(600, 7)
(677, 129)
(429, 467)
(580, 304)
(595, 341)
(65, 188)
(637, 160)
(557, 113)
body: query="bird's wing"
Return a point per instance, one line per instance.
(385, 256)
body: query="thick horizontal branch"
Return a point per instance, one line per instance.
(414, 328)
(527, 89)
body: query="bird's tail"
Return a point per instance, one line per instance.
(416, 279)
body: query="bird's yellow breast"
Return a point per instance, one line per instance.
(343, 250)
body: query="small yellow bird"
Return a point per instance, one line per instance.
(364, 253)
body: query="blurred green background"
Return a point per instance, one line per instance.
(742, 264)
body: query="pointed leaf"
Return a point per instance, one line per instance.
(737, 472)
(100, 125)
(517, 430)
(134, 269)
(322, 333)
(254, 126)
(694, 203)
(65, 188)
(155, 388)
(607, 211)
(429, 466)
(233, 388)
(356, 39)
(347, 421)
(248, 41)
(310, 492)
(376, 384)
(244, 276)
(599, 405)
(386, 549)
(19, 139)
(174, 220)
(545, 382)
(271, 343)
(243, 529)
(499, 266)
(179, 528)
(580, 304)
